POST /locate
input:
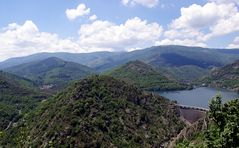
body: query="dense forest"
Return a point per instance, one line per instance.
(98, 112)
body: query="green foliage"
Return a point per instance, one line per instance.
(224, 129)
(145, 76)
(16, 98)
(99, 112)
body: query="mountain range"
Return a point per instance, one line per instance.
(51, 73)
(170, 59)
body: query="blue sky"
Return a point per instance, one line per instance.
(49, 15)
(31, 26)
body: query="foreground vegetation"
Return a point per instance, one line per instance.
(16, 98)
(222, 128)
(98, 112)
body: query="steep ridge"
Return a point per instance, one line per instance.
(145, 76)
(100, 112)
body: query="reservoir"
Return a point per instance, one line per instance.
(199, 97)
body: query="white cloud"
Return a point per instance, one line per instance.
(80, 11)
(225, 1)
(147, 3)
(201, 23)
(235, 43)
(20, 40)
(93, 17)
(196, 16)
(134, 33)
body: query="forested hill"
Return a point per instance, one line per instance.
(225, 77)
(100, 112)
(54, 72)
(145, 76)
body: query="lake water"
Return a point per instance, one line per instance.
(199, 97)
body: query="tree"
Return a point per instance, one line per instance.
(223, 130)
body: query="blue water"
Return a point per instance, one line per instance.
(199, 97)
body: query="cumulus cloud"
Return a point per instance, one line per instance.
(147, 3)
(80, 11)
(235, 43)
(201, 23)
(133, 33)
(225, 1)
(93, 17)
(20, 40)
(196, 16)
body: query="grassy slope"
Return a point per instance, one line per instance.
(101, 111)
(144, 76)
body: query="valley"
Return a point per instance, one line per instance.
(119, 74)
(98, 99)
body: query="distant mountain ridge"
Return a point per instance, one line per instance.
(170, 58)
(51, 71)
(145, 77)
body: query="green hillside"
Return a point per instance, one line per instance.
(51, 72)
(99, 112)
(185, 74)
(16, 98)
(225, 77)
(145, 76)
